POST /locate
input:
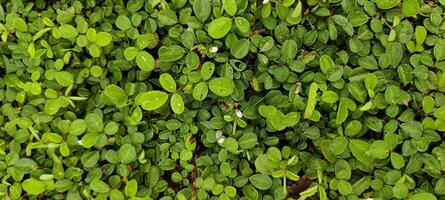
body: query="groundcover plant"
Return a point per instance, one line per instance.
(222, 99)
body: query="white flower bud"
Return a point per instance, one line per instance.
(265, 1)
(219, 137)
(239, 114)
(79, 142)
(221, 140)
(213, 49)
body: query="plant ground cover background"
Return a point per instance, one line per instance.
(222, 99)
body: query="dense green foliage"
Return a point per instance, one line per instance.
(222, 99)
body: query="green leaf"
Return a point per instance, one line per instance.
(340, 20)
(171, 53)
(261, 181)
(312, 100)
(52, 106)
(127, 153)
(422, 196)
(410, 7)
(357, 18)
(167, 82)
(78, 126)
(439, 50)
(230, 7)
(291, 119)
(274, 154)
(374, 123)
(344, 187)
(242, 24)
(148, 40)
(394, 50)
(231, 145)
(131, 188)
(115, 95)
(248, 141)
(31, 49)
(266, 43)
(358, 91)
(94, 122)
(89, 159)
(359, 149)
(240, 49)
(342, 169)
(94, 50)
(326, 64)
(222, 86)
(167, 17)
(368, 62)
(309, 192)
(420, 34)
(19, 24)
(123, 22)
(397, 160)
(200, 91)
(207, 70)
(413, 128)
(219, 27)
(392, 94)
(405, 73)
(192, 60)
(379, 149)
(202, 9)
(67, 31)
(177, 103)
(130, 53)
(99, 186)
(135, 5)
(338, 145)
(404, 31)
(91, 34)
(387, 4)
(440, 112)
(230, 191)
(370, 81)
(289, 50)
(64, 78)
(152, 100)
(400, 190)
(329, 97)
(103, 39)
(135, 117)
(33, 186)
(262, 165)
(88, 140)
(145, 61)
(428, 104)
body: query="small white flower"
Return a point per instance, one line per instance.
(369, 199)
(79, 142)
(221, 140)
(219, 137)
(239, 114)
(265, 1)
(213, 49)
